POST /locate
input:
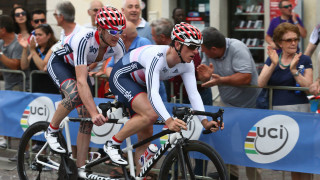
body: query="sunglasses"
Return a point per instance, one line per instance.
(39, 20)
(114, 32)
(287, 6)
(192, 46)
(23, 13)
(94, 10)
(291, 40)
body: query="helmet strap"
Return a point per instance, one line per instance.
(101, 37)
(179, 53)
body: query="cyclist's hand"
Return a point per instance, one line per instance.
(213, 126)
(176, 125)
(99, 119)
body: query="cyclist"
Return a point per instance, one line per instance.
(135, 81)
(67, 67)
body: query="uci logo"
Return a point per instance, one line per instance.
(40, 109)
(271, 139)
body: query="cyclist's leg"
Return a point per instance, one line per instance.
(83, 138)
(135, 98)
(64, 77)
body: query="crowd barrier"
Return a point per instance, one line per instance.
(17, 72)
(267, 139)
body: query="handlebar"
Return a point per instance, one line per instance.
(184, 112)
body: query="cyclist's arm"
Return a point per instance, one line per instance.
(190, 83)
(84, 90)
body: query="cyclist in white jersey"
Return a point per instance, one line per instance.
(135, 82)
(67, 67)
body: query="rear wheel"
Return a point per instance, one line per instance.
(28, 168)
(204, 162)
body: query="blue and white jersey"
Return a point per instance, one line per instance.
(84, 48)
(152, 59)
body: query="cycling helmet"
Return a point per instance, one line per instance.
(186, 34)
(110, 18)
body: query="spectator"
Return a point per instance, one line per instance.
(178, 15)
(228, 63)
(95, 5)
(33, 60)
(10, 54)
(132, 10)
(38, 17)
(287, 69)
(64, 14)
(287, 15)
(313, 43)
(22, 21)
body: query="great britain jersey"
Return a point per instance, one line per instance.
(82, 47)
(154, 67)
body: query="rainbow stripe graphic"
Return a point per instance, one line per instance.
(24, 118)
(249, 143)
(164, 138)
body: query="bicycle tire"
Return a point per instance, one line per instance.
(28, 168)
(216, 168)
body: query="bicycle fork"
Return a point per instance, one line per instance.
(184, 160)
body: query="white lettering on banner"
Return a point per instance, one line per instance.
(271, 139)
(40, 109)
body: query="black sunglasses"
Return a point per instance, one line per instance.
(23, 13)
(287, 6)
(95, 10)
(39, 20)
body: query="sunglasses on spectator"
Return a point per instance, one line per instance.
(94, 10)
(287, 6)
(23, 13)
(114, 32)
(39, 20)
(291, 40)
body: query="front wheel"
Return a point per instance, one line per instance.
(28, 167)
(201, 161)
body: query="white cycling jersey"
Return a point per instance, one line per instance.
(153, 59)
(314, 37)
(85, 47)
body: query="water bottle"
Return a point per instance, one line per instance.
(148, 154)
(298, 85)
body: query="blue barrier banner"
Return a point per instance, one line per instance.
(267, 139)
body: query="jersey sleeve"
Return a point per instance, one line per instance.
(152, 72)
(190, 84)
(80, 47)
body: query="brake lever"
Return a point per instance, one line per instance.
(215, 118)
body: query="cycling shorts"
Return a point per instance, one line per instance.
(123, 86)
(60, 71)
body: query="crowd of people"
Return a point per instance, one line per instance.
(122, 45)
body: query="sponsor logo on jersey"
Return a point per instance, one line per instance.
(176, 71)
(164, 69)
(271, 139)
(111, 50)
(89, 35)
(93, 50)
